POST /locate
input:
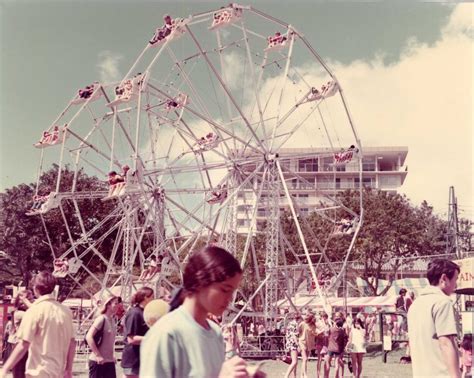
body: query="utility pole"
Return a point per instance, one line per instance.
(452, 234)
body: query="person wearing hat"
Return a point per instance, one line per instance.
(102, 359)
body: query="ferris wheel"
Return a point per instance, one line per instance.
(225, 119)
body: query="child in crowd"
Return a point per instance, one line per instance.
(135, 329)
(466, 356)
(336, 345)
(357, 343)
(184, 342)
(102, 358)
(321, 340)
(291, 338)
(307, 331)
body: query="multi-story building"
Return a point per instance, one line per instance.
(311, 173)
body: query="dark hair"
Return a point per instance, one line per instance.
(360, 322)
(438, 267)
(177, 298)
(466, 342)
(19, 304)
(44, 282)
(208, 266)
(339, 322)
(402, 291)
(141, 294)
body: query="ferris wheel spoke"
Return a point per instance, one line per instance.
(253, 220)
(97, 126)
(190, 214)
(283, 81)
(296, 127)
(90, 145)
(292, 109)
(300, 234)
(252, 72)
(207, 120)
(224, 78)
(119, 120)
(231, 98)
(195, 95)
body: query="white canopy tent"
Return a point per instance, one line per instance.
(314, 302)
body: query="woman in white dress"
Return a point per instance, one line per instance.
(357, 344)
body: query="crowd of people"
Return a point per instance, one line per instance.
(191, 341)
(327, 340)
(185, 342)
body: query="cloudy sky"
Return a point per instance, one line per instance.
(406, 69)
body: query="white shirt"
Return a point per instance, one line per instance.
(430, 316)
(47, 326)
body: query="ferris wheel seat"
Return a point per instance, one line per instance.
(178, 102)
(51, 138)
(207, 143)
(225, 17)
(168, 33)
(217, 199)
(89, 93)
(315, 95)
(61, 268)
(345, 156)
(330, 89)
(74, 264)
(276, 42)
(120, 189)
(43, 204)
(129, 89)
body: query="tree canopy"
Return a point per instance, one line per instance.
(25, 240)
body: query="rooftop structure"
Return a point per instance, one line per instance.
(311, 174)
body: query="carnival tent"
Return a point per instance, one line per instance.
(410, 284)
(77, 303)
(311, 301)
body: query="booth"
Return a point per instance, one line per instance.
(466, 291)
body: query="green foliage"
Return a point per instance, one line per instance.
(25, 240)
(393, 230)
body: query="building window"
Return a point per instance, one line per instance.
(261, 212)
(338, 183)
(308, 165)
(367, 182)
(307, 185)
(368, 165)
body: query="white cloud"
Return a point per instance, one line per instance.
(423, 101)
(108, 65)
